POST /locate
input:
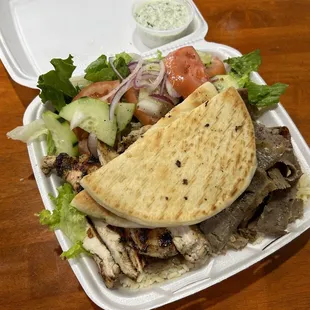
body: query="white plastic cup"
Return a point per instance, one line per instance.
(153, 38)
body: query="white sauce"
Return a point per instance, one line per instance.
(162, 15)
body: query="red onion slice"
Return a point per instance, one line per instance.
(117, 97)
(171, 91)
(92, 144)
(128, 78)
(159, 78)
(132, 65)
(111, 60)
(163, 84)
(162, 98)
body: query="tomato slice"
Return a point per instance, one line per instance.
(144, 118)
(97, 90)
(216, 67)
(132, 96)
(185, 70)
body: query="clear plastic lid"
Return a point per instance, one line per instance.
(32, 32)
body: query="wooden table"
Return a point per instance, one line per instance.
(32, 276)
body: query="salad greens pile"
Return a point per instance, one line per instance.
(101, 69)
(67, 218)
(259, 95)
(55, 85)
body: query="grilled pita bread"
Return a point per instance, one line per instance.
(185, 172)
(87, 205)
(84, 203)
(201, 95)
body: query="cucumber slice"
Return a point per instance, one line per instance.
(124, 113)
(64, 139)
(225, 81)
(93, 115)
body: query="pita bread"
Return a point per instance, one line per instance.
(84, 203)
(201, 95)
(184, 173)
(87, 205)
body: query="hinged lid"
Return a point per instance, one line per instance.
(32, 32)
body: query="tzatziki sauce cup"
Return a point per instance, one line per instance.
(169, 22)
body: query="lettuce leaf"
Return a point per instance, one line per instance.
(101, 70)
(28, 133)
(264, 95)
(259, 95)
(245, 64)
(51, 147)
(55, 85)
(72, 222)
(74, 251)
(126, 57)
(159, 56)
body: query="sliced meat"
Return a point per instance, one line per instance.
(297, 211)
(105, 153)
(278, 213)
(270, 145)
(69, 168)
(102, 256)
(152, 242)
(137, 261)
(190, 242)
(274, 149)
(289, 166)
(220, 227)
(132, 137)
(116, 247)
(277, 178)
(237, 241)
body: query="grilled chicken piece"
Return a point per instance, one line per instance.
(103, 258)
(105, 153)
(112, 239)
(137, 261)
(133, 136)
(152, 242)
(190, 242)
(69, 168)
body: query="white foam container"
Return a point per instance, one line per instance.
(33, 32)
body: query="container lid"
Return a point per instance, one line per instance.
(32, 32)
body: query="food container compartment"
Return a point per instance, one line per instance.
(154, 38)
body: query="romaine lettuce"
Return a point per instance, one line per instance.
(264, 95)
(55, 85)
(67, 218)
(101, 70)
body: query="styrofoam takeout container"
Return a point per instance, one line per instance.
(33, 32)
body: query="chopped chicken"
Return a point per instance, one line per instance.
(102, 256)
(105, 153)
(190, 242)
(132, 137)
(137, 261)
(113, 241)
(155, 242)
(69, 168)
